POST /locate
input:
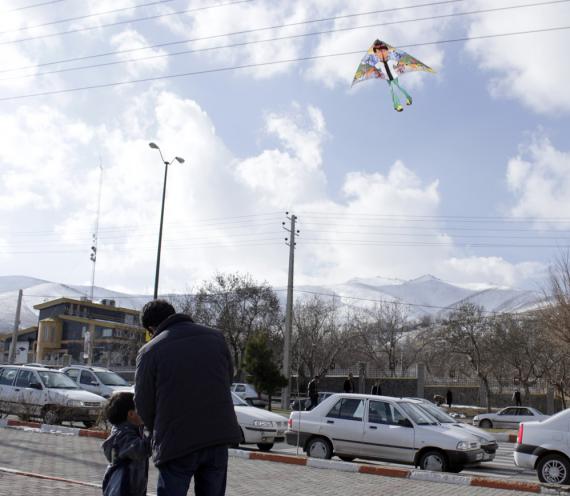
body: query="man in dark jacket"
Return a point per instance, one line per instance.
(313, 390)
(348, 386)
(182, 393)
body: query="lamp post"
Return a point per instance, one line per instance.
(166, 164)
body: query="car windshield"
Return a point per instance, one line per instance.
(111, 379)
(56, 380)
(438, 414)
(238, 401)
(417, 414)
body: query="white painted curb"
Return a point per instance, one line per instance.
(332, 465)
(425, 475)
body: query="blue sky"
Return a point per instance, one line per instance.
(485, 137)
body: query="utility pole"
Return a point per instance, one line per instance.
(14, 344)
(290, 241)
(96, 231)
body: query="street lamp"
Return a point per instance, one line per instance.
(166, 164)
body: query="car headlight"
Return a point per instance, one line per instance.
(468, 445)
(75, 403)
(476, 417)
(263, 423)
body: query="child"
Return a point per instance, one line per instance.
(127, 449)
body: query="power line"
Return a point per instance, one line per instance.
(268, 63)
(234, 33)
(86, 16)
(128, 21)
(42, 4)
(278, 38)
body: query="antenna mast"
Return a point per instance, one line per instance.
(96, 231)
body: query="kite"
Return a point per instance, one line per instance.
(383, 61)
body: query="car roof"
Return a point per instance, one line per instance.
(377, 397)
(87, 367)
(26, 367)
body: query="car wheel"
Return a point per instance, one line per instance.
(265, 446)
(486, 424)
(319, 447)
(346, 458)
(50, 416)
(433, 460)
(554, 469)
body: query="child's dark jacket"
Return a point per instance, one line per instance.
(127, 451)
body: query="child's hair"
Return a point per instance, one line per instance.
(118, 407)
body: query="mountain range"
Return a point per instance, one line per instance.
(426, 295)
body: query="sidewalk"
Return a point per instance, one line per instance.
(80, 459)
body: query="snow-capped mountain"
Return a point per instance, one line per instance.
(426, 295)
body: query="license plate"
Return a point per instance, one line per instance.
(479, 456)
(486, 456)
(94, 413)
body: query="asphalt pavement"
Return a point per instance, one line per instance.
(81, 459)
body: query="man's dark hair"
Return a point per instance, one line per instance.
(155, 312)
(119, 406)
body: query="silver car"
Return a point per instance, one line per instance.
(488, 442)
(509, 417)
(382, 428)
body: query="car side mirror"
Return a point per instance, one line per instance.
(405, 423)
(36, 385)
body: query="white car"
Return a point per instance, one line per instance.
(259, 426)
(488, 442)
(545, 447)
(508, 418)
(32, 392)
(382, 428)
(97, 380)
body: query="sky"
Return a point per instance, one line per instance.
(470, 183)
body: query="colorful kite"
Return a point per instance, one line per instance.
(383, 61)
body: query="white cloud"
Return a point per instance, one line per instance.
(539, 179)
(529, 68)
(357, 234)
(491, 270)
(129, 40)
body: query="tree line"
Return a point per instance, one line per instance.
(520, 349)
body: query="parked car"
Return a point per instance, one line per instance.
(508, 418)
(488, 442)
(259, 426)
(248, 393)
(304, 403)
(382, 428)
(545, 447)
(32, 392)
(97, 380)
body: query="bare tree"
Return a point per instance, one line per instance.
(469, 334)
(382, 335)
(319, 336)
(239, 307)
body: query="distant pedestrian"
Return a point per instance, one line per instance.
(517, 397)
(182, 393)
(348, 386)
(313, 391)
(126, 449)
(376, 389)
(449, 398)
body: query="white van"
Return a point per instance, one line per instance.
(97, 380)
(32, 392)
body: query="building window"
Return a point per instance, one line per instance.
(107, 333)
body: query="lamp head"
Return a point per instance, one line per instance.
(153, 145)
(180, 159)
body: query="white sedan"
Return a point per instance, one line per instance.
(259, 426)
(509, 417)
